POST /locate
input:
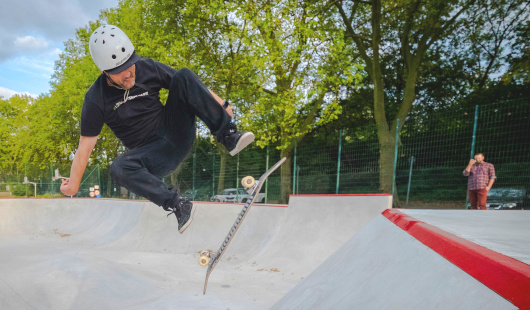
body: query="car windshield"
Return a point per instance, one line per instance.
(228, 192)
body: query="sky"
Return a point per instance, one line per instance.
(32, 36)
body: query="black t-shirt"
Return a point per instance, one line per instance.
(133, 118)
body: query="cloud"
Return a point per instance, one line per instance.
(32, 36)
(56, 52)
(44, 24)
(41, 64)
(31, 43)
(8, 93)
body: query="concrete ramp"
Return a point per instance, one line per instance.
(424, 259)
(320, 252)
(114, 254)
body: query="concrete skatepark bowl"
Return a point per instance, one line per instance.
(319, 252)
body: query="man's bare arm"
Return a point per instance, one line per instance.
(86, 145)
(468, 168)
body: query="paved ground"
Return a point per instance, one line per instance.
(507, 232)
(112, 254)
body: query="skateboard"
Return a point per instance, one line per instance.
(253, 188)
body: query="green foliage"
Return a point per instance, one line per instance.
(519, 60)
(295, 70)
(20, 190)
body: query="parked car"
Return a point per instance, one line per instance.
(189, 194)
(236, 195)
(196, 195)
(507, 198)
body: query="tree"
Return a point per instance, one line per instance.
(282, 64)
(519, 60)
(492, 26)
(298, 65)
(10, 110)
(403, 34)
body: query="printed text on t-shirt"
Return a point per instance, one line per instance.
(118, 104)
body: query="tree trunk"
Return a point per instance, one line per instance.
(386, 167)
(386, 137)
(384, 134)
(286, 175)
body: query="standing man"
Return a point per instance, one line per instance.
(481, 176)
(158, 137)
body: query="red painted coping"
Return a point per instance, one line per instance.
(337, 195)
(508, 277)
(257, 204)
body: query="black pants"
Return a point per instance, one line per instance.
(141, 169)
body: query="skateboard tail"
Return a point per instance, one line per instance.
(206, 281)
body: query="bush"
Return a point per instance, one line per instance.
(19, 190)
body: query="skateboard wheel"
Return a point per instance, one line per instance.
(204, 260)
(248, 182)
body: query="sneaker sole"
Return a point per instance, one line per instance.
(189, 220)
(243, 142)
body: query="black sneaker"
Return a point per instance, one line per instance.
(183, 210)
(233, 140)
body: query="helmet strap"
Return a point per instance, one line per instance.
(112, 81)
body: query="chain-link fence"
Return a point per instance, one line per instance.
(434, 147)
(39, 180)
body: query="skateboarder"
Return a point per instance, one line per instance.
(158, 137)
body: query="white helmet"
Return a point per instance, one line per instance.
(111, 49)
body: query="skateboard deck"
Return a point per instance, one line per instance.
(253, 191)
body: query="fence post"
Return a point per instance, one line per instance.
(193, 175)
(473, 140)
(51, 171)
(338, 162)
(294, 165)
(298, 180)
(474, 132)
(267, 180)
(410, 177)
(26, 174)
(213, 173)
(237, 179)
(395, 157)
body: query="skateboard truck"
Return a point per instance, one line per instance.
(250, 184)
(204, 257)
